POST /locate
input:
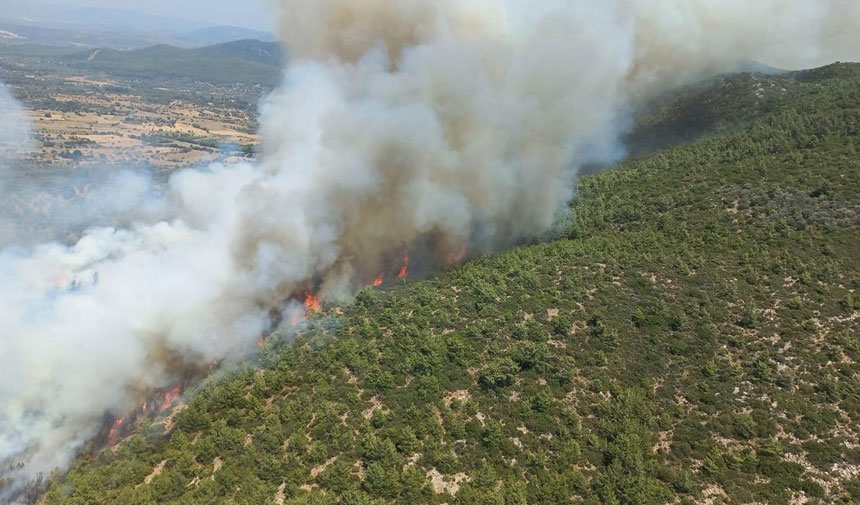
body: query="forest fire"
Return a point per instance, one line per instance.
(113, 435)
(312, 304)
(121, 426)
(169, 398)
(378, 281)
(457, 256)
(404, 270)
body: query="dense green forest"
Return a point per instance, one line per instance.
(690, 337)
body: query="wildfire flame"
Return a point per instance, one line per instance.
(378, 281)
(169, 397)
(312, 304)
(458, 255)
(404, 270)
(167, 400)
(114, 429)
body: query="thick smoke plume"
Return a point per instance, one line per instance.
(416, 126)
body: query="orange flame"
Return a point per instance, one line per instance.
(261, 341)
(312, 304)
(458, 255)
(378, 281)
(404, 270)
(169, 397)
(114, 429)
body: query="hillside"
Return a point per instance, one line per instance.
(223, 34)
(690, 338)
(713, 106)
(243, 61)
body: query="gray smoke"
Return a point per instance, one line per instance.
(40, 205)
(417, 125)
(15, 134)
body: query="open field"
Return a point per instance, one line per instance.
(83, 114)
(118, 128)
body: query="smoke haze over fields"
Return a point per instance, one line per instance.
(15, 134)
(417, 126)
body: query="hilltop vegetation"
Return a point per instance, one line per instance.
(690, 338)
(710, 107)
(243, 61)
(237, 73)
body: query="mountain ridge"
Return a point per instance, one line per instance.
(689, 337)
(246, 61)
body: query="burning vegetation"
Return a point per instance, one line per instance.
(403, 130)
(679, 354)
(157, 404)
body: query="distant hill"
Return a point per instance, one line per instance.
(38, 22)
(268, 53)
(244, 61)
(222, 34)
(691, 338)
(710, 107)
(18, 32)
(73, 25)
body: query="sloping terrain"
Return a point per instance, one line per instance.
(713, 106)
(691, 338)
(243, 61)
(222, 34)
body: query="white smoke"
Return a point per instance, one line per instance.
(416, 125)
(34, 207)
(15, 132)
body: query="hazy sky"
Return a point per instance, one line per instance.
(248, 13)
